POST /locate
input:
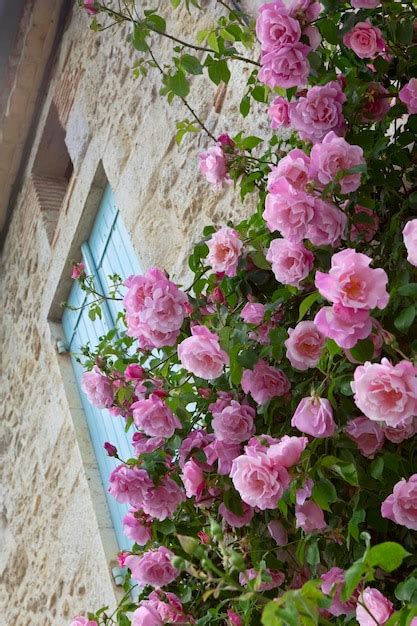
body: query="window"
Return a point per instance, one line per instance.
(107, 251)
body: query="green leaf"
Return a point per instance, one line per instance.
(248, 358)
(324, 494)
(376, 468)
(329, 30)
(404, 32)
(178, 84)
(353, 526)
(313, 554)
(260, 261)
(251, 142)
(191, 64)
(307, 303)
(405, 319)
(212, 41)
(407, 590)
(408, 290)
(139, 38)
(363, 350)
(353, 577)
(157, 22)
(244, 106)
(388, 556)
(123, 620)
(219, 71)
(166, 527)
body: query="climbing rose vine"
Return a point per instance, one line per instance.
(272, 405)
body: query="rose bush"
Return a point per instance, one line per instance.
(272, 404)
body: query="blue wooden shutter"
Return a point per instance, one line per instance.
(107, 251)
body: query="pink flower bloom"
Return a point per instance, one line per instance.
(410, 241)
(223, 453)
(305, 10)
(304, 492)
(289, 210)
(129, 484)
(364, 230)
(258, 481)
(304, 345)
(276, 578)
(146, 615)
(155, 309)
(287, 451)
(401, 506)
(144, 445)
(328, 226)
(378, 608)
(234, 520)
(314, 416)
(137, 527)
(294, 168)
(368, 436)
(153, 568)
(195, 440)
(333, 156)
(408, 95)
(352, 283)
(376, 105)
(226, 141)
(291, 262)
(346, 326)
(403, 431)
(78, 269)
(365, 40)
(309, 517)
(83, 621)
(275, 28)
(212, 163)
(264, 382)
(235, 423)
(154, 417)
(224, 250)
(89, 6)
(278, 532)
(287, 67)
(279, 112)
(193, 478)
(319, 112)
(110, 449)
(162, 501)
(253, 313)
(201, 354)
(365, 4)
(98, 388)
(386, 392)
(234, 619)
(332, 585)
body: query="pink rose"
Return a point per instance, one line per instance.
(408, 95)
(276, 578)
(98, 388)
(305, 10)
(234, 619)
(154, 417)
(309, 517)
(328, 226)
(153, 568)
(403, 431)
(259, 482)
(377, 103)
(224, 250)
(212, 163)
(333, 156)
(365, 40)
(401, 506)
(234, 520)
(332, 585)
(365, 4)
(195, 440)
(222, 452)
(129, 484)
(304, 345)
(291, 262)
(362, 230)
(264, 382)
(279, 112)
(304, 492)
(162, 501)
(410, 241)
(352, 283)
(90, 7)
(146, 615)
(294, 168)
(155, 309)
(319, 112)
(78, 269)
(314, 416)
(83, 621)
(275, 28)
(201, 354)
(278, 532)
(253, 313)
(235, 423)
(344, 325)
(193, 478)
(378, 608)
(287, 67)
(368, 436)
(137, 527)
(386, 392)
(289, 210)
(287, 451)
(144, 445)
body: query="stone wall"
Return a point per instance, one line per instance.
(56, 539)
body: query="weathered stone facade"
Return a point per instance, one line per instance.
(57, 543)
